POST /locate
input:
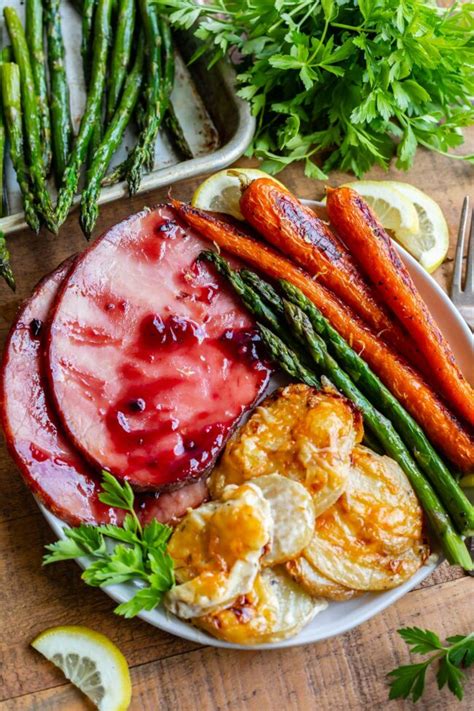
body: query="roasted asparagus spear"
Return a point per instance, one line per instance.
(34, 38)
(110, 142)
(70, 181)
(5, 56)
(60, 108)
(11, 102)
(31, 115)
(120, 60)
(88, 10)
(3, 210)
(142, 154)
(171, 120)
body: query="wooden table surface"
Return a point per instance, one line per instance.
(347, 672)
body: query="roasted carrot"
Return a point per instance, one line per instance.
(372, 247)
(305, 239)
(405, 383)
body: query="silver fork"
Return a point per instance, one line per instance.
(463, 299)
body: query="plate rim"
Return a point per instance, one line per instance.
(378, 602)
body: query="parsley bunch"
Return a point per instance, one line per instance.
(409, 680)
(141, 554)
(357, 80)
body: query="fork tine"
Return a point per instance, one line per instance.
(469, 285)
(456, 286)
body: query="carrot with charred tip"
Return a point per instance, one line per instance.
(372, 247)
(296, 231)
(405, 383)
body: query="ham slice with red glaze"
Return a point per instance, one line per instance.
(51, 468)
(151, 359)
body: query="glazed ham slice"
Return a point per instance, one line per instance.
(151, 359)
(57, 474)
(52, 470)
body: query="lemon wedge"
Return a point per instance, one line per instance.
(414, 218)
(91, 662)
(221, 192)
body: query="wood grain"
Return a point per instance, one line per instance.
(168, 673)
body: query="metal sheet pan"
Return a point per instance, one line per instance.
(217, 124)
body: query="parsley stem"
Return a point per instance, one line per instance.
(297, 8)
(460, 643)
(320, 42)
(342, 26)
(137, 521)
(214, 9)
(469, 157)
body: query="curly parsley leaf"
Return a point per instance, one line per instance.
(139, 553)
(409, 680)
(356, 82)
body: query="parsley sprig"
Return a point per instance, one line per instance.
(139, 555)
(409, 680)
(357, 80)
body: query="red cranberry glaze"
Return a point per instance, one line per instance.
(152, 360)
(53, 470)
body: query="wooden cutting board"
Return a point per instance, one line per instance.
(171, 674)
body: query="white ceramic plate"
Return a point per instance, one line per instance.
(339, 617)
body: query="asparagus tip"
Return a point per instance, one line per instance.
(88, 216)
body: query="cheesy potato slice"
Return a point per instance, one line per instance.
(298, 432)
(293, 517)
(371, 538)
(315, 583)
(275, 609)
(216, 550)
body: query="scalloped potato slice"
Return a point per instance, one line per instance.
(371, 538)
(247, 619)
(293, 517)
(295, 607)
(315, 583)
(217, 549)
(298, 432)
(275, 609)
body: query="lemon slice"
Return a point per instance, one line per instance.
(414, 218)
(91, 662)
(395, 211)
(430, 245)
(221, 192)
